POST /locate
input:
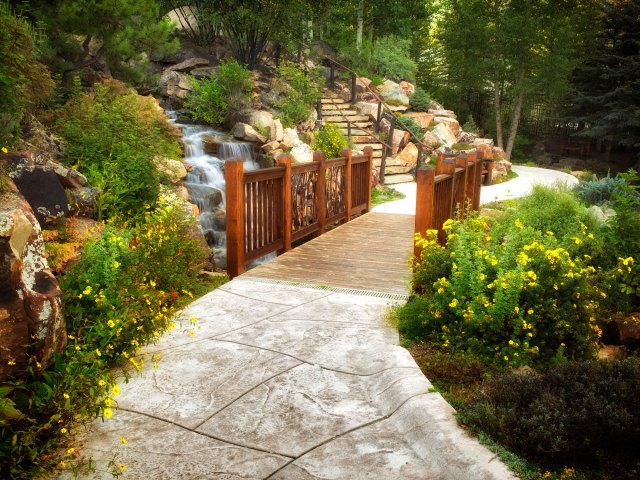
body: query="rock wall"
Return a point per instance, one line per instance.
(31, 302)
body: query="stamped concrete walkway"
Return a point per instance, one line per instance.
(291, 381)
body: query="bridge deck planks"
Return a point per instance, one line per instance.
(370, 252)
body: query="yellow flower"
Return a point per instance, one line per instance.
(87, 290)
(71, 450)
(111, 324)
(441, 290)
(124, 440)
(116, 264)
(102, 383)
(517, 309)
(116, 390)
(506, 359)
(550, 233)
(577, 240)
(123, 467)
(518, 223)
(4, 150)
(66, 396)
(530, 311)
(152, 283)
(63, 430)
(98, 352)
(11, 362)
(63, 465)
(454, 303)
(107, 413)
(108, 401)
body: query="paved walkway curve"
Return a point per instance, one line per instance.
(296, 382)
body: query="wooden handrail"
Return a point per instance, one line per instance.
(261, 203)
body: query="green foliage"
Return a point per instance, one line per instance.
(471, 126)
(330, 140)
(390, 58)
(112, 136)
(600, 192)
(511, 294)
(300, 93)
(119, 33)
(409, 125)
(421, 101)
(24, 81)
(119, 297)
(382, 194)
(225, 91)
(573, 414)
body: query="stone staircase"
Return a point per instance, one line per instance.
(338, 111)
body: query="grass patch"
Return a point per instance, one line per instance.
(381, 194)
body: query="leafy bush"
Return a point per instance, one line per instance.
(511, 299)
(24, 81)
(411, 126)
(112, 136)
(390, 58)
(420, 100)
(471, 126)
(118, 297)
(301, 92)
(225, 91)
(574, 413)
(330, 140)
(600, 192)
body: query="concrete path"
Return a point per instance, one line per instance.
(515, 188)
(285, 382)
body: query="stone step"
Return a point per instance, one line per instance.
(376, 147)
(332, 100)
(338, 113)
(352, 118)
(355, 132)
(363, 139)
(400, 178)
(354, 125)
(335, 106)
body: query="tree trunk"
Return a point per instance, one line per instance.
(497, 106)
(360, 26)
(515, 114)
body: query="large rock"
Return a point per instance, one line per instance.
(399, 140)
(174, 170)
(277, 131)
(289, 138)
(422, 119)
(409, 155)
(388, 85)
(362, 84)
(202, 72)
(258, 119)
(189, 64)
(451, 123)
(408, 88)
(31, 303)
(245, 132)
(368, 108)
(211, 144)
(466, 137)
(40, 186)
(430, 139)
(83, 200)
(270, 147)
(441, 112)
(444, 135)
(302, 153)
(174, 85)
(395, 97)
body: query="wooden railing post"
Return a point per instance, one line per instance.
(387, 149)
(461, 188)
(321, 191)
(353, 88)
(285, 161)
(347, 183)
(378, 117)
(472, 160)
(234, 196)
(368, 151)
(424, 203)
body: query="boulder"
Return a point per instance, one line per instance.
(368, 108)
(258, 119)
(451, 123)
(174, 170)
(270, 147)
(289, 138)
(395, 97)
(202, 72)
(277, 131)
(189, 64)
(430, 139)
(245, 132)
(483, 141)
(610, 353)
(83, 200)
(210, 144)
(498, 153)
(388, 85)
(206, 197)
(444, 135)
(302, 153)
(409, 155)
(602, 213)
(441, 112)
(174, 85)
(362, 84)
(40, 186)
(501, 168)
(31, 302)
(408, 88)
(422, 119)
(466, 137)
(400, 139)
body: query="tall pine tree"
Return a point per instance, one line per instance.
(607, 98)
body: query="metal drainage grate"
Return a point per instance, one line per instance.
(351, 291)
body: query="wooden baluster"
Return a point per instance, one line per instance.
(234, 196)
(285, 161)
(387, 149)
(472, 159)
(424, 202)
(347, 182)
(368, 177)
(461, 191)
(321, 193)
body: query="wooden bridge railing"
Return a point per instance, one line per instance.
(269, 209)
(447, 191)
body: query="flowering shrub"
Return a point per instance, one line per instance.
(514, 300)
(330, 140)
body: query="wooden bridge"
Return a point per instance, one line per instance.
(271, 210)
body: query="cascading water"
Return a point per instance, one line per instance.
(206, 183)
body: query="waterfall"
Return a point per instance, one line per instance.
(205, 182)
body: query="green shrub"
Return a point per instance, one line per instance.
(225, 91)
(471, 126)
(600, 192)
(24, 81)
(112, 136)
(410, 126)
(511, 299)
(300, 93)
(330, 140)
(573, 414)
(420, 100)
(390, 58)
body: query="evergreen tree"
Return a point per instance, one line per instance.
(607, 98)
